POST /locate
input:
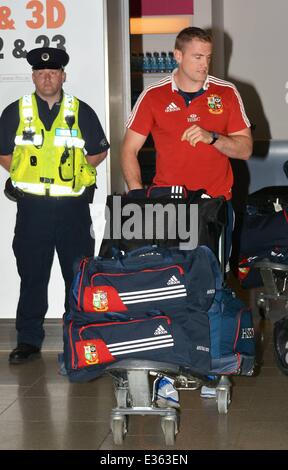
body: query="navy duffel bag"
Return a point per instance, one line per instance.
(170, 303)
(88, 349)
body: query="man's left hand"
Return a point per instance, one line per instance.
(195, 134)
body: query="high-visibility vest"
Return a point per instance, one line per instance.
(50, 162)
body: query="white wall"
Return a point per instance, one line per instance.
(256, 38)
(202, 17)
(85, 33)
(259, 33)
(158, 42)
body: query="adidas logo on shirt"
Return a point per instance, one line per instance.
(172, 281)
(160, 331)
(172, 107)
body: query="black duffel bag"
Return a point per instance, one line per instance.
(162, 216)
(265, 222)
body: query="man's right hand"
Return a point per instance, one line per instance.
(132, 143)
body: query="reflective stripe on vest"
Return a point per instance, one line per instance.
(37, 140)
(70, 142)
(40, 189)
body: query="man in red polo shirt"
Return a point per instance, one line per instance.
(197, 122)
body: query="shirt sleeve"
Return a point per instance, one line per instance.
(9, 122)
(141, 118)
(238, 119)
(92, 131)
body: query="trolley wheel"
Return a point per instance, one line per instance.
(169, 429)
(121, 397)
(223, 401)
(118, 428)
(279, 363)
(280, 340)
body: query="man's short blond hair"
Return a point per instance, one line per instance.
(186, 35)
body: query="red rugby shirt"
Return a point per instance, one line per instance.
(163, 112)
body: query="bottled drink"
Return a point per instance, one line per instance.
(154, 62)
(162, 62)
(147, 62)
(174, 61)
(169, 62)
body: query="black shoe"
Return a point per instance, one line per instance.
(23, 353)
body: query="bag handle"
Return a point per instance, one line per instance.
(150, 249)
(117, 254)
(120, 257)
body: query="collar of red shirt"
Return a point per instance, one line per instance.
(175, 87)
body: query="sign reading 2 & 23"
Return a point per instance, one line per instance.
(50, 14)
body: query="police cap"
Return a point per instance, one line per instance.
(47, 58)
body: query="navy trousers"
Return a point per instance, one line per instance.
(44, 225)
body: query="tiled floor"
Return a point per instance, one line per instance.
(41, 410)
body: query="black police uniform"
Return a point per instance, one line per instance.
(44, 224)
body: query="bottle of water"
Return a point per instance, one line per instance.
(147, 62)
(140, 62)
(154, 62)
(162, 62)
(169, 62)
(174, 62)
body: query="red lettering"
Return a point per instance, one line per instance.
(55, 14)
(52, 7)
(5, 21)
(37, 14)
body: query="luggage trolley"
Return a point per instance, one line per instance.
(136, 396)
(275, 281)
(270, 201)
(262, 172)
(134, 381)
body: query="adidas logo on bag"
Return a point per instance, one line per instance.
(160, 331)
(173, 281)
(172, 107)
(177, 192)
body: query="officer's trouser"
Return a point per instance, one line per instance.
(42, 225)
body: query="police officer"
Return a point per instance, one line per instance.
(50, 142)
